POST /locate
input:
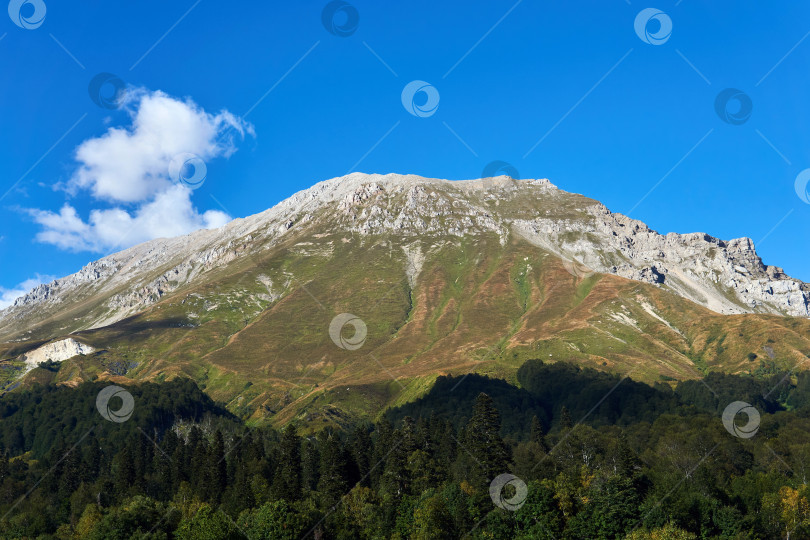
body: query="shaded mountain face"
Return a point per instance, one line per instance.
(442, 277)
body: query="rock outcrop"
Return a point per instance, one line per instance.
(56, 351)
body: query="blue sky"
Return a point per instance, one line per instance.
(630, 123)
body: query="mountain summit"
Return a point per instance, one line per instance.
(445, 275)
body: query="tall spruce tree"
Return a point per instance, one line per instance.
(287, 481)
(218, 467)
(362, 450)
(566, 422)
(333, 483)
(490, 455)
(537, 435)
(395, 477)
(383, 441)
(310, 464)
(123, 473)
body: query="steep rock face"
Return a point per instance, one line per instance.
(725, 276)
(56, 351)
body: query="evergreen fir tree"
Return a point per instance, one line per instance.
(287, 481)
(239, 495)
(566, 422)
(442, 433)
(407, 435)
(537, 435)
(383, 441)
(141, 459)
(310, 465)
(4, 467)
(332, 484)
(69, 473)
(626, 459)
(123, 473)
(362, 450)
(395, 477)
(91, 458)
(178, 465)
(490, 455)
(218, 467)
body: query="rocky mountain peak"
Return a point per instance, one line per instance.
(725, 276)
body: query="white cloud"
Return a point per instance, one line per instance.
(130, 165)
(7, 296)
(169, 213)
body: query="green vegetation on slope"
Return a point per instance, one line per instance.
(644, 462)
(254, 334)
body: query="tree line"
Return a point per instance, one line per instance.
(599, 456)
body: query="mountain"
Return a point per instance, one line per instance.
(447, 277)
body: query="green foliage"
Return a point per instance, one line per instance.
(611, 510)
(648, 464)
(278, 519)
(208, 524)
(139, 517)
(50, 365)
(540, 517)
(432, 520)
(667, 532)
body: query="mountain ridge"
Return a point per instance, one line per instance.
(735, 281)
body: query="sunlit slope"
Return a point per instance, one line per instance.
(474, 306)
(415, 216)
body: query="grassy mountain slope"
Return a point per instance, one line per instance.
(476, 306)
(442, 286)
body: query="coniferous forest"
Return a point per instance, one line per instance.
(566, 453)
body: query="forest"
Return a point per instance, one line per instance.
(567, 453)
